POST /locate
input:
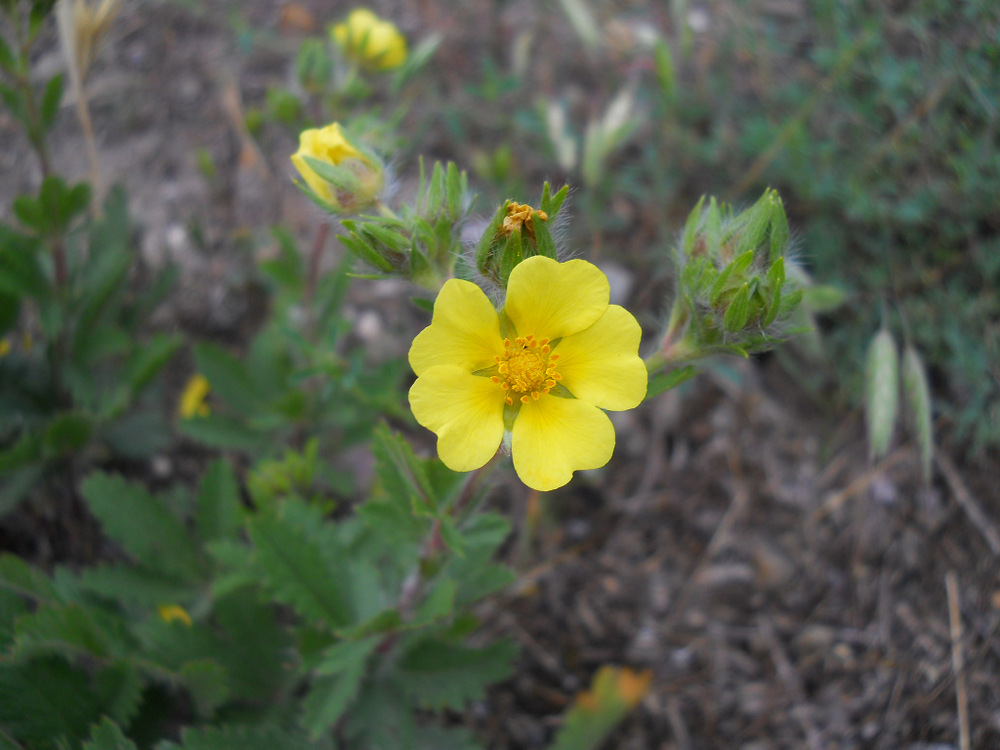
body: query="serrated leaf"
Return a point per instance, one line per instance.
(108, 736)
(438, 674)
(240, 737)
(208, 684)
(142, 525)
(219, 507)
(69, 629)
(298, 573)
(19, 577)
(402, 474)
(44, 700)
(881, 391)
(342, 668)
(596, 712)
(255, 646)
(119, 690)
(132, 586)
(918, 403)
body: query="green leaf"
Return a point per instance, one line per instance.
(342, 669)
(738, 311)
(119, 690)
(108, 736)
(67, 433)
(454, 192)
(51, 100)
(230, 378)
(821, 298)
(132, 586)
(20, 270)
(401, 473)
(240, 737)
(19, 577)
(142, 525)
(918, 402)
(663, 63)
(148, 359)
(208, 684)
(881, 391)
(219, 506)
(72, 630)
(665, 381)
(255, 645)
(43, 700)
(691, 226)
(438, 674)
(217, 431)
(298, 573)
(7, 60)
(544, 243)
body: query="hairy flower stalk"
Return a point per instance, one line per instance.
(537, 375)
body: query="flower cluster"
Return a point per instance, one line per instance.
(543, 370)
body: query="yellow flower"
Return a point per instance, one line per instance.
(192, 403)
(364, 179)
(4, 347)
(544, 367)
(173, 612)
(370, 41)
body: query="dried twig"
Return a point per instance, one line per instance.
(961, 696)
(836, 501)
(972, 509)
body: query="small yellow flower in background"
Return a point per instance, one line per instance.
(329, 145)
(192, 403)
(4, 347)
(566, 356)
(173, 613)
(370, 41)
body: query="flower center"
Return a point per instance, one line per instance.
(526, 369)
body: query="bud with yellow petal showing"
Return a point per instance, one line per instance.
(371, 42)
(341, 177)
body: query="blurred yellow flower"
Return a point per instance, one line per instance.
(329, 145)
(370, 41)
(173, 613)
(4, 347)
(192, 403)
(545, 368)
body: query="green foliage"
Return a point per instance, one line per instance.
(81, 381)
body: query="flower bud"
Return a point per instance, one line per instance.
(516, 232)
(369, 41)
(341, 177)
(733, 295)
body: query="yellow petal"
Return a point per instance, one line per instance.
(465, 331)
(465, 411)
(553, 437)
(385, 46)
(549, 299)
(601, 364)
(319, 186)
